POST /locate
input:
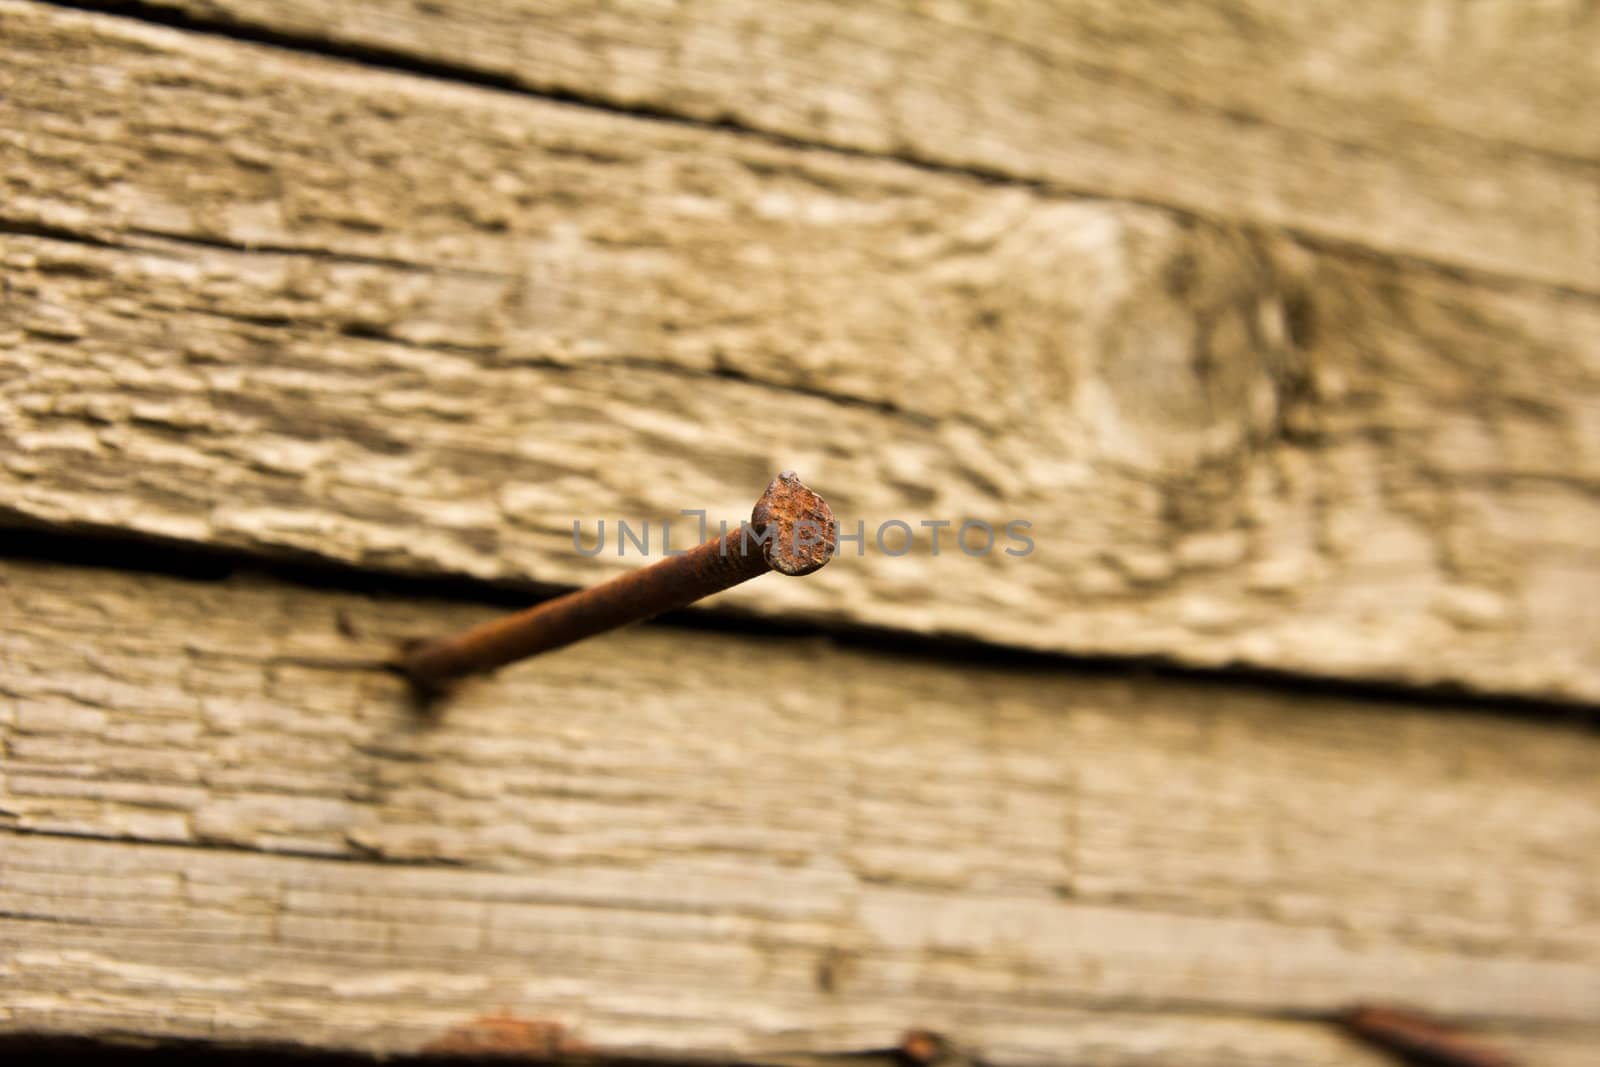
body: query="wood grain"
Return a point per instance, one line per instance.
(738, 844)
(299, 307)
(110, 938)
(432, 340)
(1459, 131)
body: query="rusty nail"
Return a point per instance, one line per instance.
(791, 531)
(1419, 1038)
(506, 1036)
(922, 1048)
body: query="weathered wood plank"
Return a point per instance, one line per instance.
(736, 839)
(108, 937)
(434, 343)
(1460, 131)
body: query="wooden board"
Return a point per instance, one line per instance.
(1280, 326)
(1460, 131)
(220, 811)
(433, 341)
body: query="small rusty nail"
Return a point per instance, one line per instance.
(506, 1037)
(922, 1048)
(791, 531)
(1421, 1039)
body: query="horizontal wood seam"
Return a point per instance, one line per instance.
(22, 538)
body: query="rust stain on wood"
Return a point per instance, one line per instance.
(507, 1035)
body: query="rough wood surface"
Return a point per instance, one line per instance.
(117, 939)
(433, 340)
(834, 845)
(1456, 130)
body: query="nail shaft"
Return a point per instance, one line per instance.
(790, 531)
(1419, 1038)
